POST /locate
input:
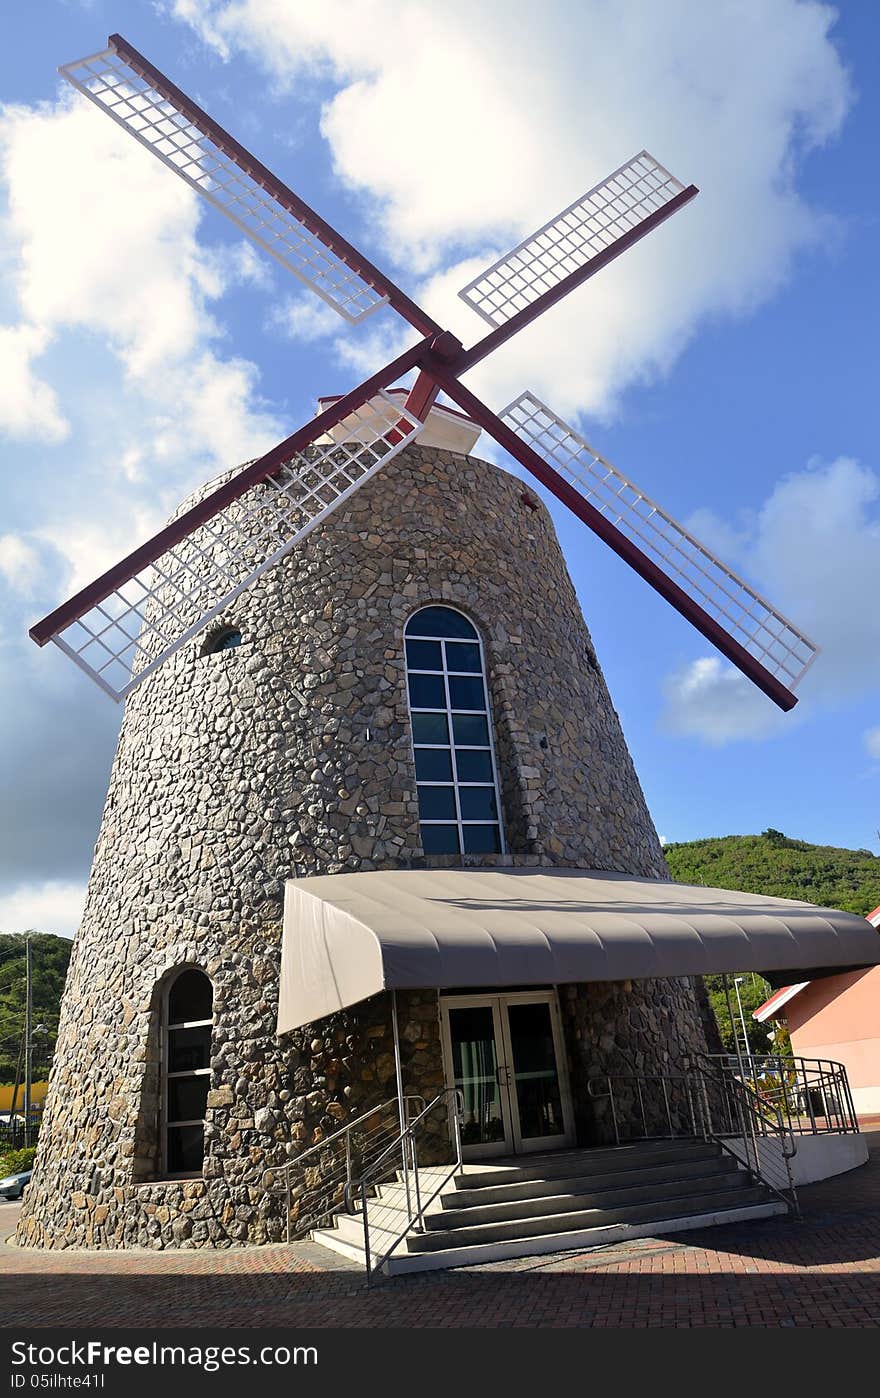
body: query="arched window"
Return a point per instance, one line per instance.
(227, 639)
(187, 1070)
(459, 810)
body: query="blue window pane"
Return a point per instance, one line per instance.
(478, 803)
(471, 730)
(461, 655)
(473, 766)
(440, 621)
(424, 655)
(466, 692)
(427, 692)
(437, 802)
(440, 839)
(430, 728)
(186, 1149)
(187, 1097)
(433, 765)
(482, 839)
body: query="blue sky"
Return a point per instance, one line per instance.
(728, 365)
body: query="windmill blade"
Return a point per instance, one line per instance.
(125, 85)
(575, 244)
(127, 623)
(752, 634)
(769, 637)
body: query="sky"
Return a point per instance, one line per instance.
(728, 364)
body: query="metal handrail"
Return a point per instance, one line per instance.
(405, 1150)
(312, 1155)
(796, 1084)
(665, 1080)
(753, 1117)
(716, 1105)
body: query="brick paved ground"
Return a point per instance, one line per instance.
(824, 1271)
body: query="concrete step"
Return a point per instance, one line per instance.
(350, 1228)
(562, 1214)
(582, 1197)
(638, 1155)
(708, 1201)
(553, 1203)
(402, 1262)
(649, 1175)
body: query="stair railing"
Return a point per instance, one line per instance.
(666, 1104)
(708, 1101)
(317, 1183)
(812, 1093)
(396, 1216)
(751, 1128)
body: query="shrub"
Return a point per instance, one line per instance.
(14, 1162)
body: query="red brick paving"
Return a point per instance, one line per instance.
(823, 1271)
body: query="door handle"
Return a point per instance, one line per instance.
(505, 1080)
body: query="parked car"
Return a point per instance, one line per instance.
(13, 1186)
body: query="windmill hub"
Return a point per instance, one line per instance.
(444, 426)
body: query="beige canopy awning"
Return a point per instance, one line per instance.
(347, 936)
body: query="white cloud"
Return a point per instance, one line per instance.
(304, 318)
(125, 246)
(28, 405)
(710, 700)
(872, 743)
(814, 549)
(469, 125)
(19, 563)
(123, 275)
(52, 906)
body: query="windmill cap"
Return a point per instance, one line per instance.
(445, 428)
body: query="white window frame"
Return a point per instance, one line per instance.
(452, 747)
(166, 1075)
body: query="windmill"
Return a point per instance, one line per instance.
(126, 623)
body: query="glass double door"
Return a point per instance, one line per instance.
(505, 1055)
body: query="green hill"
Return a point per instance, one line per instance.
(772, 863)
(50, 957)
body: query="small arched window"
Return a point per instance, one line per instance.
(189, 1004)
(459, 809)
(227, 639)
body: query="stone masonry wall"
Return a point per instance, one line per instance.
(624, 1030)
(290, 756)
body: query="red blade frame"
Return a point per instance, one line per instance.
(279, 191)
(623, 547)
(97, 591)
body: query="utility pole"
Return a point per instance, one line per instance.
(28, 1037)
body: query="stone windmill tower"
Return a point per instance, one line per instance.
(291, 754)
(360, 653)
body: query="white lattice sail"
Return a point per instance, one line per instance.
(768, 636)
(122, 639)
(573, 238)
(108, 81)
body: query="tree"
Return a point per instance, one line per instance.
(51, 955)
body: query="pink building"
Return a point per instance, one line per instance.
(837, 1018)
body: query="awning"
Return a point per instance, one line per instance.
(348, 936)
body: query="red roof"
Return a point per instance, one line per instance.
(771, 1007)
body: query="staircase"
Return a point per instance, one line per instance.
(488, 1211)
